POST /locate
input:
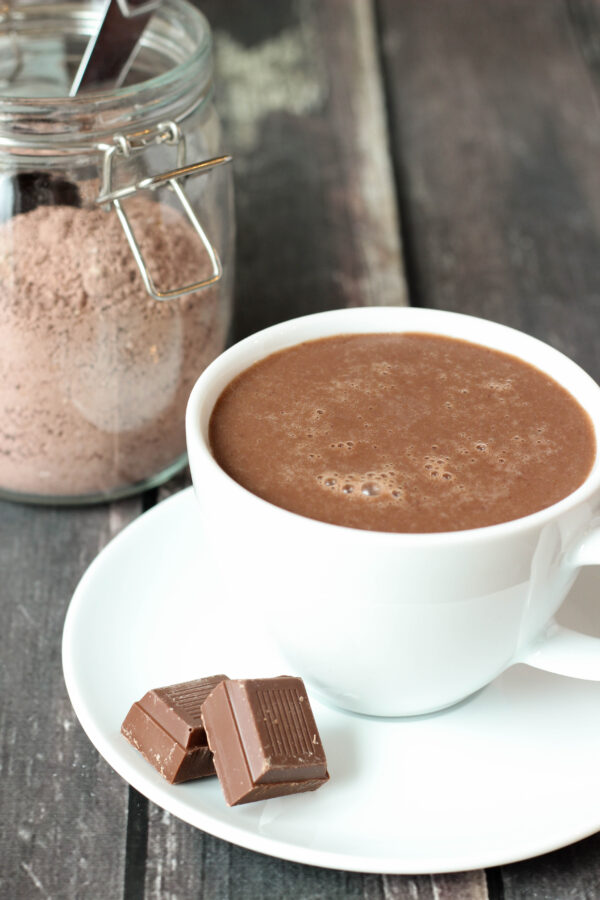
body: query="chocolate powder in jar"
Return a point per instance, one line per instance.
(94, 373)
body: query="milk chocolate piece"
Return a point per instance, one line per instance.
(166, 727)
(264, 739)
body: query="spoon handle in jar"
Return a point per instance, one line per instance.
(110, 50)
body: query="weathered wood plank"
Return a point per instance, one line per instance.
(298, 90)
(497, 134)
(184, 862)
(573, 872)
(585, 22)
(456, 886)
(67, 810)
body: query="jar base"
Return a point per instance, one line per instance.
(117, 493)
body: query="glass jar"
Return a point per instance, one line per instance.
(116, 253)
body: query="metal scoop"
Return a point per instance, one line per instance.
(111, 51)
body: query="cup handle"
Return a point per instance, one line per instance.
(562, 650)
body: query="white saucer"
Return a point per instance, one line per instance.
(509, 774)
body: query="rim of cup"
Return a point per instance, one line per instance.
(380, 319)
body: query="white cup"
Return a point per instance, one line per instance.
(400, 624)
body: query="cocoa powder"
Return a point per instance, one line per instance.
(94, 373)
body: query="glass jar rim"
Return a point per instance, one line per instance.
(183, 85)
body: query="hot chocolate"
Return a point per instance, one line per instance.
(402, 432)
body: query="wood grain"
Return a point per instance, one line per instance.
(299, 93)
(497, 133)
(184, 862)
(455, 886)
(66, 808)
(571, 872)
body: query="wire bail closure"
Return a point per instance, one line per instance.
(126, 146)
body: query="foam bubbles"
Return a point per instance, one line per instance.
(436, 466)
(382, 483)
(500, 386)
(370, 489)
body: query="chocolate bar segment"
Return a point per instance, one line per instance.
(166, 727)
(264, 739)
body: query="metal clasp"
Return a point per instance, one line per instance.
(126, 146)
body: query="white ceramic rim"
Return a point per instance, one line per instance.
(379, 319)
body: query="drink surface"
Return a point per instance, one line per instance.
(402, 433)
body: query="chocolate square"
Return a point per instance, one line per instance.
(166, 727)
(264, 739)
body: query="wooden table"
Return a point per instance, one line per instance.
(440, 153)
